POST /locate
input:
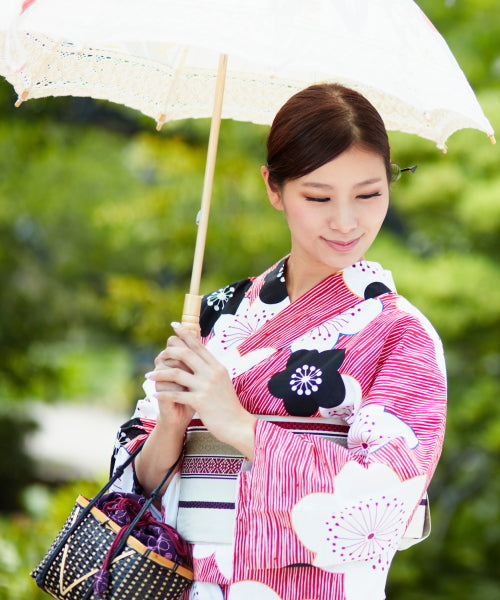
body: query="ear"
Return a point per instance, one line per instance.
(274, 195)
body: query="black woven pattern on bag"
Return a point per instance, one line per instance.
(50, 552)
(134, 576)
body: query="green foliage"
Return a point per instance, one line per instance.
(27, 536)
(97, 217)
(15, 425)
(471, 29)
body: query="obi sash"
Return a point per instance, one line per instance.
(209, 482)
(209, 476)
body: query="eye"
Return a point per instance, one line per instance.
(311, 199)
(368, 196)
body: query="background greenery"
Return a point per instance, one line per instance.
(97, 228)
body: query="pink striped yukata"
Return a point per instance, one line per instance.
(350, 363)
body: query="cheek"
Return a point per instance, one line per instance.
(293, 212)
(302, 220)
(377, 214)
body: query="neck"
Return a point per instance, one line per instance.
(300, 278)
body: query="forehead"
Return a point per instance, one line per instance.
(354, 167)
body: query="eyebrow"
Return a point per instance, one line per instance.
(325, 186)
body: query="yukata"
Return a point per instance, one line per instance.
(348, 383)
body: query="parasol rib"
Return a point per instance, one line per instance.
(192, 301)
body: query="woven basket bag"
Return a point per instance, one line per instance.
(87, 541)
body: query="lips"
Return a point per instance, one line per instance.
(341, 245)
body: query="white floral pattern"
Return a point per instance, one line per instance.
(243, 590)
(200, 590)
(364, 438)
(350, 322)
(224, 554)
(232, 330)
(218, 299)
(281, 273)
(358, 276)
(351, 403)
(357, 529)
(305, 380)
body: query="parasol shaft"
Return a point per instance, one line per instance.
(192, 303)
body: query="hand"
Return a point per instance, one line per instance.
(203, 385)
(171, 414)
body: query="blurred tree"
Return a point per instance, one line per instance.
(97, 225)
(14, 426)
(448, 265)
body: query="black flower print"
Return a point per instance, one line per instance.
(223, 301)
(128, 431)
(274, 288)
(375, 289)
(310, 380)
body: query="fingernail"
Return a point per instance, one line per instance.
(148, 374)
(175, 324)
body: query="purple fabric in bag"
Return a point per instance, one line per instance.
(159, 537)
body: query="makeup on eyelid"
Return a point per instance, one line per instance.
(334, 214)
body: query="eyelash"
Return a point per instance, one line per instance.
(368, 196)
(361, 197)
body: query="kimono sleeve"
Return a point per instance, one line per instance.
(131, 435)
(307, 500)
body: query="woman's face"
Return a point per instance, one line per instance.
(335, 212)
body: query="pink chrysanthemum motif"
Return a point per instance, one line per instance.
(231, 330)
(357, 529)
(374, 427)
(366, 529)
(352, 321)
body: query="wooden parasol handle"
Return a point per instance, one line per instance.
(192, 301)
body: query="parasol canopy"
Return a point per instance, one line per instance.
(170, 59)
(161, 56)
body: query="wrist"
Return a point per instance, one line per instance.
(166, 430)
(242, 435)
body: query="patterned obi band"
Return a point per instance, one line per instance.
(209, 477)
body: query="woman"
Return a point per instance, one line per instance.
(315, 402)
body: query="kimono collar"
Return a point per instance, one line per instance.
(330, 297)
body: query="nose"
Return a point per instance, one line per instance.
(343, 218)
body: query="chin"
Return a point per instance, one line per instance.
(340, 264)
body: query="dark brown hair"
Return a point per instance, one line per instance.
(316, 125)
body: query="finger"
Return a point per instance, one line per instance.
(188, 359)
(172, 342)
(165, 386)
(192, 342)
(161, 367)
(173, 397)
(179, 376)
(176, 341)
(162, 360)
(162, 386)
(186, 335)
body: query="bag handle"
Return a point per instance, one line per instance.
(40, 577)
(101, 579)
(155, 494)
